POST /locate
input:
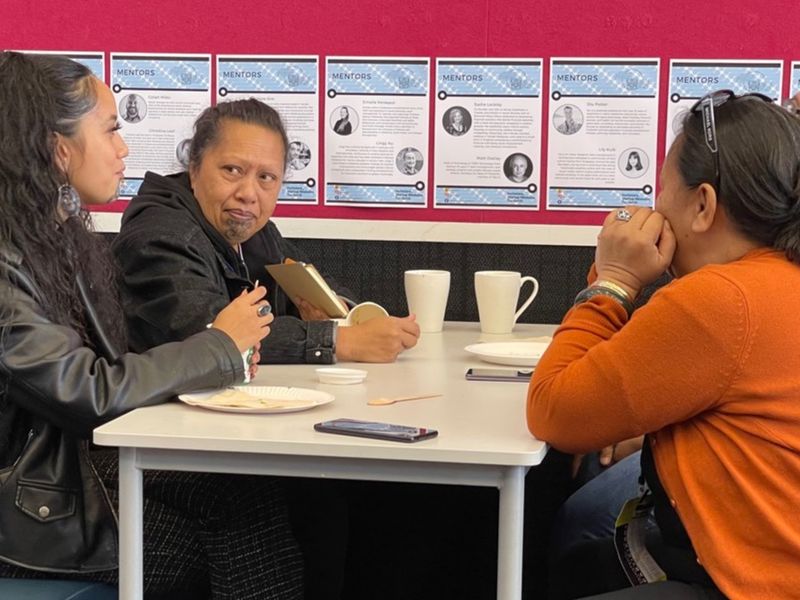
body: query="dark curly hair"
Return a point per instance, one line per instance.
(42, 95)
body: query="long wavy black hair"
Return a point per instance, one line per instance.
(41, 95)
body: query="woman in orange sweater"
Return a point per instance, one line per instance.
(708, 369)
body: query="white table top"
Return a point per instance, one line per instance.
(478, 422)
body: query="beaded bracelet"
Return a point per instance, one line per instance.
(601, 290)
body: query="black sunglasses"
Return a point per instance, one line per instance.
(706, 106)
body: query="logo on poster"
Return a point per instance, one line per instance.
(185, 74)
(632, 79)
(293, 78)
(515, 82)
(751, 82)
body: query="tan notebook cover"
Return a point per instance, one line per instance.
(302, 280)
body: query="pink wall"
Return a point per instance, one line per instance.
(494, 28)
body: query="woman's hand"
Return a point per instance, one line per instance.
(611, 455)
(241, 321)
(634, 253)
(309, 312)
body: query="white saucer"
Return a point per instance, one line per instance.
(338, 376)
(515, 354)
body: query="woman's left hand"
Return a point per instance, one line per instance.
(309, 312)
(633, 253)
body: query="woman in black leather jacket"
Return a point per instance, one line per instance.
(62, 372)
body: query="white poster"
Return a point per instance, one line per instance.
(158, 98)
(376, 131)
(94, 61)
(488, 133)
(690, 80)
(602, 130)
(289, 84)
(794, 84)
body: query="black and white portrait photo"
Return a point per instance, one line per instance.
(299, 156)
(568, 119)
(409, 161)
(517, 167)
(344, 120)
(132, 108)
(633, 163)
(456, 120)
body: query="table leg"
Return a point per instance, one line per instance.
(131, 507)
(509, 542)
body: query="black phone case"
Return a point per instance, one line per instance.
(471, 377)
(430, 433)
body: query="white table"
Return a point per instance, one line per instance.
(483, 440)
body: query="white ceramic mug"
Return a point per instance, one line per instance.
(426, 294)
(498, 293)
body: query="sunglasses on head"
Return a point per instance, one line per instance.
(705, 106)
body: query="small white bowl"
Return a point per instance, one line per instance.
(338, 376)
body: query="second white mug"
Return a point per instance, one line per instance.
(426, 293)
(497, 293)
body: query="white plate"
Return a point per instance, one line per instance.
(265, 399)
(339, 376)
(515, 354)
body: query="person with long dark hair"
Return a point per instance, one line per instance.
(634, 162)
(707, 369)
(63, 370)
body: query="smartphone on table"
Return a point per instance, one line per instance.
(376, 430)
(493, 374)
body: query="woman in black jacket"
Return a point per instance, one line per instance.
(62, 372)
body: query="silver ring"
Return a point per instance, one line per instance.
(623, 214)
(264, 310)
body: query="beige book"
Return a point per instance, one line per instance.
(302, 280)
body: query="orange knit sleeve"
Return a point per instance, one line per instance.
(603, 380)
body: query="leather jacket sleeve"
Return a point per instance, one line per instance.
(172, 285)
(52, 374)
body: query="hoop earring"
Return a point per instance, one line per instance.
(69, 203)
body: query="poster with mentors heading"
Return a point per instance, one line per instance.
(488, 133)
(603, 122)
(376, 131)
(94, 61)
(289, 84)
(794, 83)
(690, 80)
(158, 99)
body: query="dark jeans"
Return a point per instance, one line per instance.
(593, 568)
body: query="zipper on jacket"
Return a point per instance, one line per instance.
(84, 447)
